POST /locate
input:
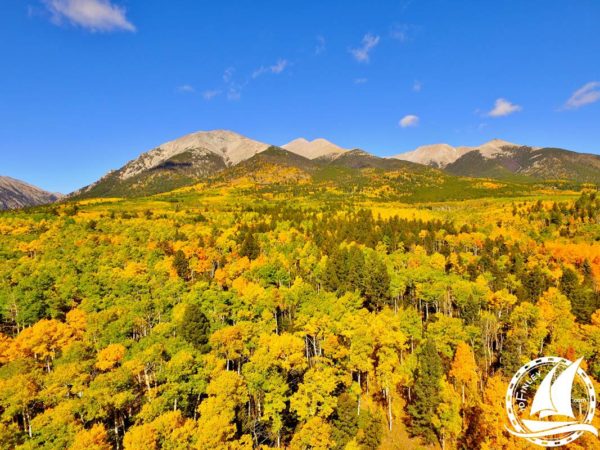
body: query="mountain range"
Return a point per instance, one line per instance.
(504, 160)
(440, 155)
(205, 154)
(222, 154)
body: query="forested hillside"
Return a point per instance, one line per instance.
(452, 174)
(305, 314)
(526, 163)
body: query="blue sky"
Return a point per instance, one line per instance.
(86, 85)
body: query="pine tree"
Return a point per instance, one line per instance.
(426, 393)
(181, 265)
(195, 327)
(345, 421)
(330, 279)
(581, 295)
(250, 247)
(370, 431)
(376, 281)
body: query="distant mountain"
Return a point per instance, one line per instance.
(174, 164)
(367, 176)
(436, 155)
(18, 194)
(220, 154)
(508, 161)
(440, 155)
(522, 163)
(313, 149)
(491, 149)
(351, 159)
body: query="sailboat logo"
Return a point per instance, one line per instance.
(562, 407)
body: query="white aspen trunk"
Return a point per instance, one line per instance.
(116, 432)
(306, 346)
(389, 401)
(147, 380)
(359, 394)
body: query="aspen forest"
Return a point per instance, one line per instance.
(255, 316)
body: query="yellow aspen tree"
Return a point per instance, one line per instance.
(110, 356)
(464, 372)
(95, 438)
(315, 434)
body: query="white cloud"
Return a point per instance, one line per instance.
(369, 42)
(210, 94)
(503, 107)
(320, 48)
(417, 86)
(186, 88)
(228, 74)
(260, 71)
(276, 68)
(95, 15)
(234, 89)
(234, 92)
(360, 80)
(588, 93)
(400, 32)
(409, 121)
(280, 66)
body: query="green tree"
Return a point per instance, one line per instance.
(426, 393)
(345, 421)
(181, 265)
(195, 327)
(583, 300)
(376, 281)
(370, 430)
(250, 247)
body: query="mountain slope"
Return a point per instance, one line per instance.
(522, 163)
(312, 149)
(18, 194)
(174, 164)
(508, 161)
(491, 148)
(324, 167)
(368, 177)
(179, 170)
(272, 166)
(359, 159)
